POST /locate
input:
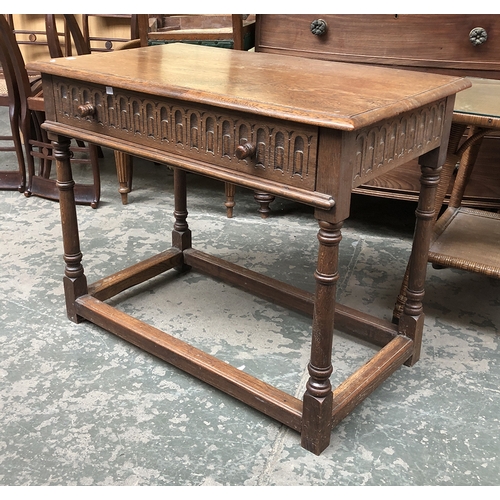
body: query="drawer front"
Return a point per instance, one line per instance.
(459, 42)
(280, 151)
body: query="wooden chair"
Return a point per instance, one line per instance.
(36, 143)
(232, 31)
(16, 179)
(11, 179)
(72, 30)
(32, 39)
(99, 38)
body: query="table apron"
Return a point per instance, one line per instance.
(313, 198)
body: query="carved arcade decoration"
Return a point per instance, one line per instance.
(280, 153)
(391, 143)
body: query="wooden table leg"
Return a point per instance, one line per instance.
(181, 234)
(447, 173)
(75, 282)
(411, 322)
(317, 402)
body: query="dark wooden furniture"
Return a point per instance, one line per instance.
(14, 179)
(96, 30)
(263, 122)
(37, 147)
(32, 39)
(9, 97)
(458, 44)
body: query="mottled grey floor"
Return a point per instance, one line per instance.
(82, 407)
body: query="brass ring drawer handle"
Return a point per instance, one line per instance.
(246, 150)
(478, 36)
(85, 110)
(319, 27)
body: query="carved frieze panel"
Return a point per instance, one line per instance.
(378, 146)
(282, 151)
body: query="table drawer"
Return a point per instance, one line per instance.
(464, 44)
(276, 150)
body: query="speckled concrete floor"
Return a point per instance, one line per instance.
(82, 407)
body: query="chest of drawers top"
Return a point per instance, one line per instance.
(461, 44)
(313, 92)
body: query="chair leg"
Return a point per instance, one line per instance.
(469, 152)
(230, 190)
(94, 157)
(45, 157)
(12, 180)
(38, 145)
(124, 172)
(28, 126)
(264, 200)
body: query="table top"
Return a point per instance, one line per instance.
(482, 100)
(336, 95)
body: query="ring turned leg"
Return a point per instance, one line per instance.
(75, 282)
(411, 322)
(452, 158)
(181, 234)
(318, 398)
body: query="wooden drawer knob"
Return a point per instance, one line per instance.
(478, 36)
(85, 110)
(246, 150)
(319, 27)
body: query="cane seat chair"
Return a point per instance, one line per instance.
(465, 238)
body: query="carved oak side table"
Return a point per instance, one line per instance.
(306, 130)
